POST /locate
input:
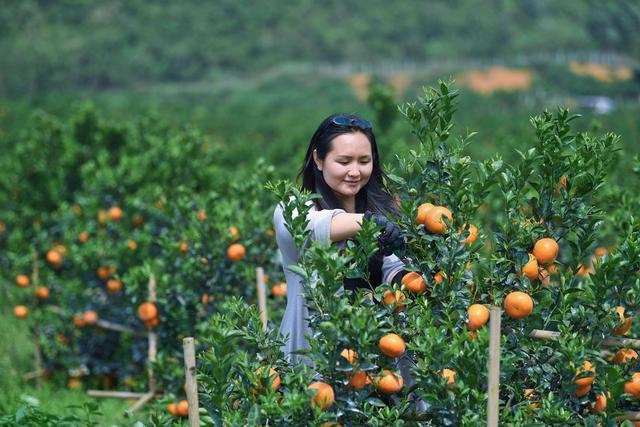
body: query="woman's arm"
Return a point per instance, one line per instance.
(344, 226)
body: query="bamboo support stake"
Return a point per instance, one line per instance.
(116, 394)
(609, 342)
(142, 401)
(493, 405)
(191, 380)
(153, 337)
(262, 300)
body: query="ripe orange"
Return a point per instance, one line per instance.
(600, 405)
(478, 316)
(388, 382)
(115, 213)
(279, 290)
(633, 387)
(235, 252)
(20, 311)
(422, 212)
(585, 270)
(22, 280)
(389, 299)
(433, 221)
(234, 232)
(42, 292)
(392, 345)
(518, 305)
(114, 286)
(414, 282)
(439, 277)
(274, 379)
(184, 247)
(202, 215)
(600, 252)
(349, 354)
(584, 381)
(78, 320)
(626, 322)
(74, 383)
(183, 408)
(83, 237)
(132, 245)
(152, 323)
(54, 258)
(530, 394)
(546, 250)
(530, 269)
(90, 317)
(544, 277)
(205, 298)
(324, 396)
(172, 408)
(450, 376)
(582, 390)
(473, 233)
(359, 380)
(147, 311)
(103, 273)
(624, 356)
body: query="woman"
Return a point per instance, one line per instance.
(342, 165)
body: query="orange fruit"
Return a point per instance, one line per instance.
(624, 356)
(172, 408)
(359, 380)
(279, 290)
(54, 258)
(584, 270)
(202, 215)
(184, 247)
(234, 232)
(626, 322)
(546, 250)
(74, 383)
(115, 213)
(389, 299)
(138, 221)
(274, 379)
(235, 252)
(83, 237)
(600, 405)
(147, 311)
(433, 221)
(90, 317)
(518, 305)
(450, 376)
(584, 381)
(530, 269)
(20, 311)
(388, 382)
(103, 273)
(582, 390)
(324, 396)
(205, 298)
(600, 252)
(544, 276)
(102, 217)
(414, 282)
(473, 233)
(22, 280)
(422, 212)
(132, 245)
(478, 316)
(392, 345)
(114, 286)
(439, 277)
(183, 408)
(633, 387)
(152, 323)
(78, 320)
(349, 354)
(530, 394)
(42, 292)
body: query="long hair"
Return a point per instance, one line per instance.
(374, 196)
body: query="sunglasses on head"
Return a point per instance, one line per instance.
(351, 121)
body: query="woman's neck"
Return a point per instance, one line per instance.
(349, 203)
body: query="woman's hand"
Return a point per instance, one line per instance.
(390, 239)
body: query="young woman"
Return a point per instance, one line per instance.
(342, 165)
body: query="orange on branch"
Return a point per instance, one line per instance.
(423, 209)
(388, 382)
(390, 298)
(115, 213)
(147, 311)
(546, 250)
(530, 269)
(478, 316)
(414, 282)
(42, 292)
(324, 396)
(587, 367)
(22, 280)
(20, 311)
(392, 345)
(236, 252)
(518, 305)
(434, 222)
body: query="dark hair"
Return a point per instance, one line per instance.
(374, 196)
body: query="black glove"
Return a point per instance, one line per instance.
(391, 239)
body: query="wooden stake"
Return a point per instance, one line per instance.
(609, 342)
(141, 402)
(116, 394)
(188, 346)
(262, 300)
(153, 338)
(493, 406)
(37, 353)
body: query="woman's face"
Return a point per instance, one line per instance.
(348, 164)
